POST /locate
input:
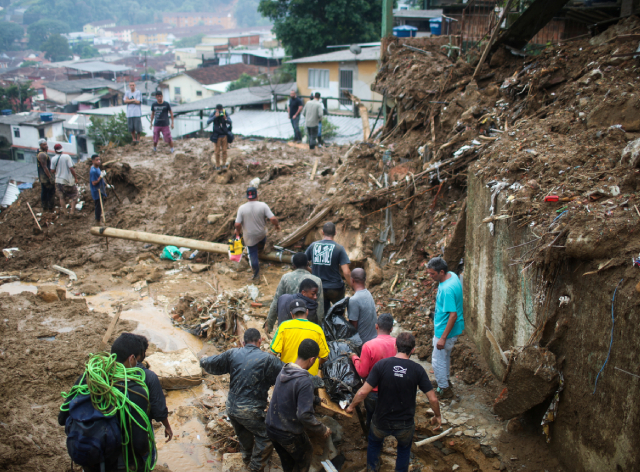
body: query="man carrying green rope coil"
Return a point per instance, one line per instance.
(106, 413)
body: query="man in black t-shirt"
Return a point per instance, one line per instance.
(397, 379)
(327, 259)
(295, 108)
(160, 112)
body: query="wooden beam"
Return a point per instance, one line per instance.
(494, 33)
(305, 228)
(112, 326)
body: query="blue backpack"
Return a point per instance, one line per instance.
(92, 438)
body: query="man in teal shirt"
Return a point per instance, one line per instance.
(448, 322)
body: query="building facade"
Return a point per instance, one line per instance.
(223, 19)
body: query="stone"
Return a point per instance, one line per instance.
(591, 76)
(97, 257)
(488, 452)
(455, 467)
(638, 287)
(62, 293)
(212, 219)
(631, 153)
(498, 58)
(446, 451)
(470, 433)
(48, 293)
(374, 272)
(197, 268)
(458, 433)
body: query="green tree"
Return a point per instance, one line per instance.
(307, 27)
(15, 96)
(56, 48)
(28, 63)
(189, 42)
(110, 130)
(9, 34)
(244, 81)
(85, 50)
(40, 31)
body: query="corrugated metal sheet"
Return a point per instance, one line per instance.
(276, 125)
(18, 171)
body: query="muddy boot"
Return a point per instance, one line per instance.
(445, 393)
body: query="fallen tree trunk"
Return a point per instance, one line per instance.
(305, 228)
(163, 240)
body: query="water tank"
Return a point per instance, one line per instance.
(6, 112)
(46, 117)
(405, 31)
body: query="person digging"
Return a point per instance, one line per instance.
(66, 180)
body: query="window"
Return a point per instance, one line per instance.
(19, 156)
(199, 93)
(16, 132)
(176, 90)
(319, 78)
(41, 133)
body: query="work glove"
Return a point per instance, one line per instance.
(103, 173)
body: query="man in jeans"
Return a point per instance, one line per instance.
(251, 222)
(291, 411)
(327, 259)
(397, 379)
(252, 373)
(160, 112)
(294, 108)
(312, 113)
(97, 185)
(378, 348)
(448, 322)
(46, 177)
(133, 100)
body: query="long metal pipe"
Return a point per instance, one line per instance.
(164, 240)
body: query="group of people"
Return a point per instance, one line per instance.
(162, 121)
(313, 111)
(302, 300)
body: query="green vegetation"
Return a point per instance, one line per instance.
(307, 27)
(329, 130)
(77, 13)
(85, 50)
(28, 63)
(9, 34)
(110, 130)
(15, 96)
(40, 31)
(244, 81)
(190, 42)
(56, 48)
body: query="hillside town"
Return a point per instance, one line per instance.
(371, 236)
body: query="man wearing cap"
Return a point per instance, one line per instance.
(46, 177)
(133, 100)
(160, 111)
(251, 223)
(221, 135)
(291, 333)
(66, 179)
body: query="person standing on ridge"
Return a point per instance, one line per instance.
(133, 100)
(220, 136)
(160, 113)
(46, 177)
(97, 185)
(448, 322)
(312, 113)
(66, 179)
(251, 223)
(327, 259)
(294, 108)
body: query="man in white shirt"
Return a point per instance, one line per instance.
(66, 179)
(133, 100)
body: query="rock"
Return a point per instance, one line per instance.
(514, 425)
(212, 219)
(197, 268)
(147, 273)
(97, 257)
(374, 272)
(621, 111)
(488, 452)
(458, 433)
(638, 287)
(446, 451)
(146, 257)
(62, 293)
(631, 153)
(455, 467)
(591, 76)
(48, 293)
(470, 433)
(211, 426)
(532, 380)
(498, 58)
(88, 289)
(583, 102)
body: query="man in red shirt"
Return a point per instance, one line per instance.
(378, 348)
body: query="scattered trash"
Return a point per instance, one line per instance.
(340, 376)
(193, 254)
(235, 249)
(171, 253)
(552, 412)
(79, 205)
(9, 252)
(254, 292)
(564, 301)
(461, 151)
(139, 285)
(72, 275)
(173, 272)
(255, 182)
(551, 198)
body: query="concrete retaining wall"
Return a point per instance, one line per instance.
(592, 432)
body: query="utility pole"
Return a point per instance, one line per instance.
(387, 18)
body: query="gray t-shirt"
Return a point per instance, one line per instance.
(134, 110)
(252, 216)
(326, 257)
(362, 308)
(61, 164)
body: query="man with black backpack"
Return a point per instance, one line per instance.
(105, 414)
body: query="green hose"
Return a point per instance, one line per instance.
(102, 373)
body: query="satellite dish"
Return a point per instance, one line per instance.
(355, 49)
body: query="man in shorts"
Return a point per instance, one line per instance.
(160, 112)
(133, 100)
(66, 179)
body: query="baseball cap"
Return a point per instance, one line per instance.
(42, 141)
(57, 147)
(158, 92)
(252, 192)
(297, 306)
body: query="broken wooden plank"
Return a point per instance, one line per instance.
(364, 114)
(421, 51)
(495, 345)
(494, 33)
(305, 228)
(112, 326)
(329, 404)
(315, 168)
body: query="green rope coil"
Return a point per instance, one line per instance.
(102, 373)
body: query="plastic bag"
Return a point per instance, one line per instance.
(235, 250)
(335, 325)
(171, 253)
(340, 376)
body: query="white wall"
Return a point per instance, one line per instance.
(188, 89)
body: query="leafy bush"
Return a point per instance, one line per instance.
(329, 130)
(110, 130)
